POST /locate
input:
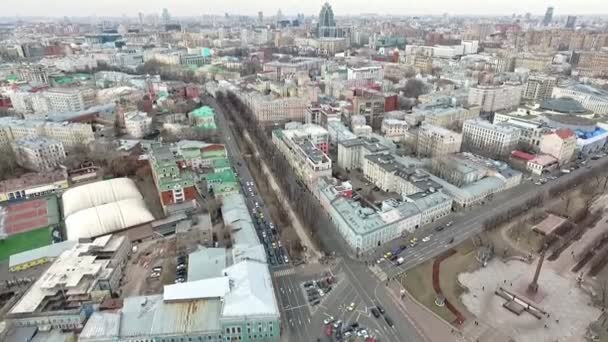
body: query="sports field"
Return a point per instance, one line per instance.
(24, 241)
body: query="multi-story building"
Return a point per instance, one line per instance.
(435, 141)
(322, 115)
(394, 129)
(38, 153)
(34, 73)
(482, 137)
(268, 109)
(137, 124)
(560, 144)
(364, 228)
(533, 62)
(539, 88)
(590, 63)
(351, 153)
(362, 76)
(203, 117)
(69, 134)
(339, 132)
(492, 98)
(591, 98)
(70, 99)
(532, 130)
(174, 184)
(33, 184)
(305, 149)
(446, 116)
(470, 179)
(62, 296)
(371, 105)
(293, 66)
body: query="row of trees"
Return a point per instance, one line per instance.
(508, 214)
(304, 203)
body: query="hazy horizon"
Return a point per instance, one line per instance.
(116, 8)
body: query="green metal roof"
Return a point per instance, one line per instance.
(226, 176)
(203, 112)
(220, 163)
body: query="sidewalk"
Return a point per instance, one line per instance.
(431, 326)
(312, 253)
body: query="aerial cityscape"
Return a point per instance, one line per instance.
(181, 171)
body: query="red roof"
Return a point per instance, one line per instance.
(564, 133)
(214, 147)
(522, 155)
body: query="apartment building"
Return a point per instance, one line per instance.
(482, 137)
(532, 130)
(69, 134)
(492, 98)
(70, 99)
(269, 109)
(559, 144)
(539, 88)
(590, 63)
(362, 76)
(533, 62)
(137, 124)
(435, 141)
(305, 148)
(447, 116)
(38, 153)
(351, 153)
(394, 129)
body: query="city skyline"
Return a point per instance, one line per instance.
(117, 8)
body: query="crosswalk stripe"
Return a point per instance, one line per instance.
(283, 273)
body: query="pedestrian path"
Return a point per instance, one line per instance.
(378, 272)
(284, 272)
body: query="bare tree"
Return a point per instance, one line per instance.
(8, 163)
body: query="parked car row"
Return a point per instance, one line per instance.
(181, 270)
(316, 289)
(276, 253)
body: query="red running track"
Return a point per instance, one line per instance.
(459, 316)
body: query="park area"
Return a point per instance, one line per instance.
(24, 242)
(470, 286)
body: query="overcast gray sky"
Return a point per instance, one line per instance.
(270, 7)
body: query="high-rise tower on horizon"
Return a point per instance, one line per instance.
(548, 16)
(327, 23)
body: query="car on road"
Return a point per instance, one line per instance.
(380, 309)
(387, 255)
(426, 238)
(328, 320)
(380, 260)
(337, 324)
(389, 321)
(375, 312)
(413, 242)
(449, 223)
(351, 307)
(451, 240)
(439, 228)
